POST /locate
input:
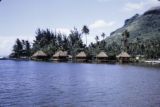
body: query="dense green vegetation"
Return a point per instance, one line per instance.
(21, 48)
(144, 35)
(140, 35)
(50, 42)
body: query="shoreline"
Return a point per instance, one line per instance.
(150, 63)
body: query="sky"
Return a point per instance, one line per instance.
(21, 18)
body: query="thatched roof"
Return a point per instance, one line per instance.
(39, 53)
(102, 55)
(123, 55)
(70, 56)
(61, 54)
(81, 54)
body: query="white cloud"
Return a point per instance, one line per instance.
(141, 5)
(151, 3)
(101, 24)
(134, 6)
(63, 30)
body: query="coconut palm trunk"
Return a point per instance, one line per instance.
(85, 30)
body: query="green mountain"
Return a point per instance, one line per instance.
(144, 31)
(146, 26)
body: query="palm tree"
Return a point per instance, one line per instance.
(103, 36)
(97, 39)
(85, 30)
(125, 36)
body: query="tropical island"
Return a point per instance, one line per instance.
(101, 62)
(137, 41)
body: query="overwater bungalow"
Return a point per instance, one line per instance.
(60, 56)
(102, 57)
(123, 57)
(39, 55)
(81, 57)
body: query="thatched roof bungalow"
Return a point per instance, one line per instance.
(81, 57)
(123, 57)
(39, 55)
(60, 56)
(102, 57)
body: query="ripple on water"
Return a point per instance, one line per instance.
(82, 85)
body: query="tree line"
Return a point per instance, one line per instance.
(21, 48)
(50, 42)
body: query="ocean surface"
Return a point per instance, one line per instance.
(47, 84)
